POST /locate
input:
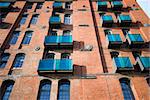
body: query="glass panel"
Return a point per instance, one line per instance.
(39, 5)
(46, 65)
(67, 19)
(123, 62)
(34, 19)
(55, 20)
(64, 91)
(27, 37)
(19, 60)
(8, 90)
(127, 92)
(4, 4)
(145, 61)
(117, 3)
(14, 37)
(66, 39)
(114, 38)
(135, 38)
(102, 3)
(107, 18)
(51, 39)
(125, 17)
(57, 4)
(64, 65)
(3, 60)
(45, 89)
(23, 19)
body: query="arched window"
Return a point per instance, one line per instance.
(63, 90)
(67, 19)
(50, 56)
(6, 89)
(66, 32)
(14, 37)
(65, 55)
(3, 59)
(27, 37)
(19, 59)
(126, 89)
(34, 19)
(44, 90)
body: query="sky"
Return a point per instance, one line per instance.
(145, 5)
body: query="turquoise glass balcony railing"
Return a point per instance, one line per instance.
(144, 62)
(66, 40)
(114, 38)
(107, 19)
(116, 4)
(64, 65)
(102, 3)
(124, 18)
(46, 65)
(55, 20)
(4, 4)
(55, 65)
(135, 38)
(123, 63)
(57, 4)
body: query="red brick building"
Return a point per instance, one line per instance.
(74, 50)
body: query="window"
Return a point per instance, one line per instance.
(126, 89)
(27, 37)
(63, 90)
(23, 19)
(44, 90)
(53, 33)
(34, 19)
(65, 55)
(66, 32)
(125, 31)
(67, 19)
(107, 31)
(39, 5)
(6, 89)
(68, 5)
(3, 59)
(14, 37)
(50, 56)
(29, 5)
(19, 59)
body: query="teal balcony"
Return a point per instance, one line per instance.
(107, 20)
(122, 63)
(55, 65)
(57, 5)
(102, 5)
(135, 39)
(4, 4)
(124, 19)
(58, 40)
(117, 4)
(55, 20)
(114, 39)
(144, 63)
